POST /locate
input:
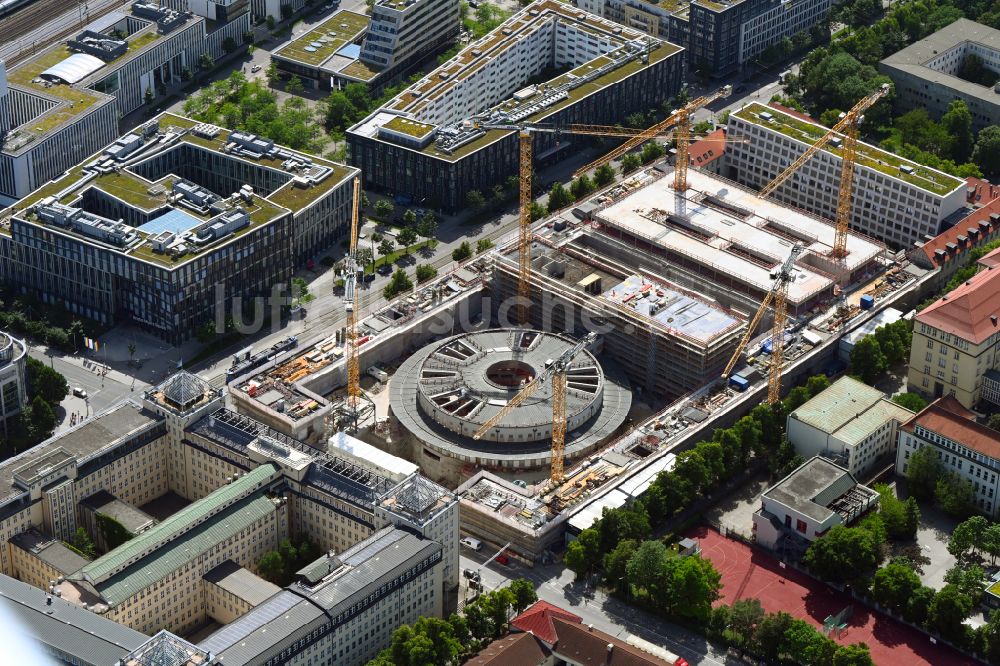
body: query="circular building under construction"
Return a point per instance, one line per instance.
(443, 394)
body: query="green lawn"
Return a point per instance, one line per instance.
(391, 258)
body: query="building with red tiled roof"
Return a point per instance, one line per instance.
(560, 638)
(980, 192)
(955, 339)
(950, 249)
(967, 448)
(707, 153)
(538, 618)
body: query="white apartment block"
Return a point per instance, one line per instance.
(895, 200)
(804, 505)
(850, 423)
(956, 340)
(401, 29)
(963, 447)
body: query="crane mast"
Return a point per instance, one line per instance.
(557, 371)
(351, 305)
(524, 229)
(779, 296)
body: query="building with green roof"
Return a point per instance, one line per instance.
(239, 521)
(851, 423)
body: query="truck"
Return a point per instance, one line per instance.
(739, 382)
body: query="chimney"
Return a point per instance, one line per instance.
(48, 599)
(993, 319)
(611, 647)
(590, 627)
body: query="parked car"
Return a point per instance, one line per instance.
(79, 392)
(474, 544)
(256, 68)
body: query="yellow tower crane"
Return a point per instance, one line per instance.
(778, 295)
(680, 118)
(557, 371)
(848, 125)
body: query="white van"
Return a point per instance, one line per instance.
(474, 544)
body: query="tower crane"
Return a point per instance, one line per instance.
(680, 118)
(848, 126)
(557, 371)
(353, 409)
(778, 294)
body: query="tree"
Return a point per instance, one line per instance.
(955, 495)
(583, 553)
(559, 197)
(271, 23)
(853, 655)
(478, 620)
(990, 637)
(41, 419)
(483, 244)
(645, 568)
(947, 613)
(386, 246)
(968, 579)
(770, 633)
(524, 594)
(744, 617)
(867, 359)
(271, 566)
(911, 401)
(428, 225)
(364, 256)
(922, 471)
(797, 397)
(475, 200)
(817, 384)
(83, 543)
(616, 562)
(651, 151)
(46, 382)
(409, 217)
(294, 86)
(425, 272)
(967, 536)
(957, 121)
(692, 585)
(206, 62)
(843, 555)
(630, 163)
(991, 542)
(229, 45)
(581, 187)
(148, 96)
(462, 252)
(900, 518)
(406, 238)
(918, 605)
(604, 175)
(384, 209)
(497, 605)
(807, 646)
(399, 283)
(537, 211)
(894, 585)
(986, 154)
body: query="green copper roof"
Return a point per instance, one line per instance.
(192, 544)
(173, 529)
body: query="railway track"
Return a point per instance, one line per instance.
(37, 14)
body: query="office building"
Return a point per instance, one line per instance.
(804, 505)
(895, 200)
(342, 609)
(64, 103)
(169, 224)
(927, 73)
(376, 51)
(849, 423)
(13, 380)
(962, 446)
(420, 144)
(720, 37)
(956, 339)
(242, 487)
(64, 631)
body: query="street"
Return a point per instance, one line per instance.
(556, 585)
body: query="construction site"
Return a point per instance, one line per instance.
(664, 306)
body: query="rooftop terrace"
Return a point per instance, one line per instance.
(323, 41)
(868, 156)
